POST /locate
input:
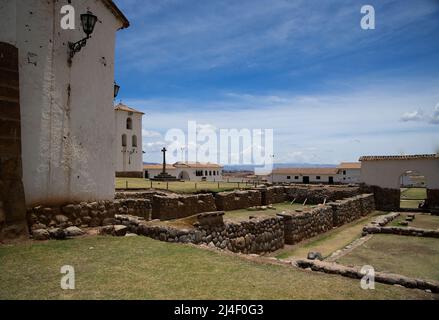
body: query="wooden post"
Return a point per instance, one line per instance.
(151, 184)
(167, 185)
(305, 201)
(126, 184)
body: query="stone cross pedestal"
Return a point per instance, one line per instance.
(164, 176)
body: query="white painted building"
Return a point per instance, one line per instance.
(67, 114)
(304, 175)
(128, 146)
(188, 171)
(386, 171)
(349, 172)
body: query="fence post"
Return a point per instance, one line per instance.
(151, 184)
(195, 186)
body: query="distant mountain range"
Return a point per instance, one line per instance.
(276, 165)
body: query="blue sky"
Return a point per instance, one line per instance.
(330, 90)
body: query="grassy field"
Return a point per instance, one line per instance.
(409, 256)
(179, 186)
(412, 197)
(423, 221)
(243, 214)
(141, 268)
(414, 193)
(328, 242)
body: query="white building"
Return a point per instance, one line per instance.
(128, 146)
(67, 115)
(188, 171)
(349, 172)
(304, 175)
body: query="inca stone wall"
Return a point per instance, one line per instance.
(235, 200)
(92, 214)
(318, 194)
(272, 195)
(347, 210)
(433, 198)
(386, 199)
(254, 236)
(176, 206)
(301, 225)
(304, 225)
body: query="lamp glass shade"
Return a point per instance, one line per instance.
(88, 21)
(116, 89)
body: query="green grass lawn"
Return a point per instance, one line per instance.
(409, 256)
(410, 204)
(244, 214)
(423, 221)
(329, 242)
(141, 268)
(414, 193)
(179, 186)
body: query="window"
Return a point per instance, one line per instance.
(318, 177)
(288, 177)
(134, 142)
(205, 173)
(210, 173)
(214, 173)
(344, 172)
(296, 178)
(129, 124)
(124, 140)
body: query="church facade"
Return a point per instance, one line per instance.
(128, 144)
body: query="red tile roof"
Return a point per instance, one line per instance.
(400, 157)
(350, 165)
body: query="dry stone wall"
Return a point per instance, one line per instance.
(235, 200)
(174, 206)
(347, 210)
(255, 236)
(301, 225)
(318, 194)
(92, 214)
(304, 225)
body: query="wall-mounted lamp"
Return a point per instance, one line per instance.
(116, 89)
(88, 21)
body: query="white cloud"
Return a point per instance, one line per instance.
(416, 115)
(150, 134)
(435, 116)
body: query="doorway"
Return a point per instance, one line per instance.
(413, 189)
(306, 179)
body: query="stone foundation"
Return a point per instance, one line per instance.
(92, 214)
(176, 206)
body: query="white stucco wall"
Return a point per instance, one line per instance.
(282, 178)
(67, 114)
(351, 176)
(178, 172)
(387, 173)
(129, 158)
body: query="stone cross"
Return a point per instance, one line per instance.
(164, 160)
